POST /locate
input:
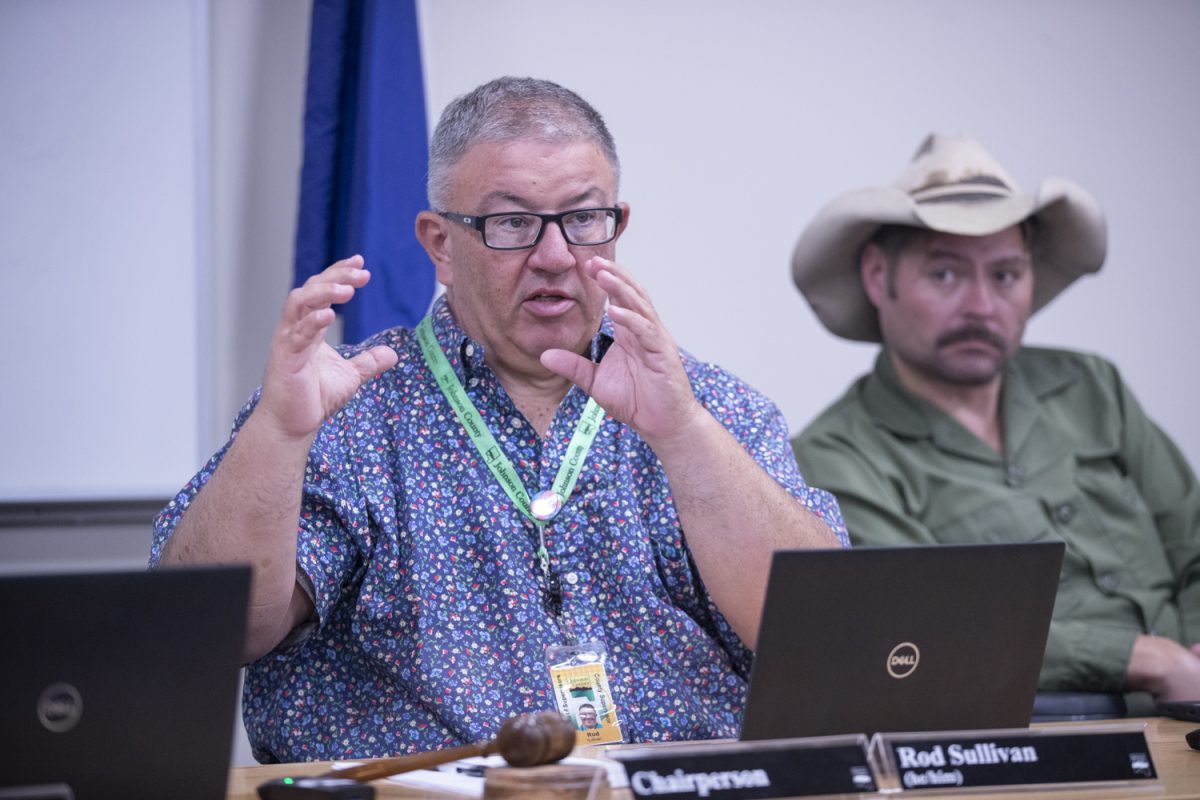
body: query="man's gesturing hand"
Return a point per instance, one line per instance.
(307, 380)
(641, 380)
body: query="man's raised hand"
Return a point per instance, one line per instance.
(306, 380)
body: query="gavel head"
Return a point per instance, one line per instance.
(528, 740)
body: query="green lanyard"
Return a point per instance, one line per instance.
(544, 505)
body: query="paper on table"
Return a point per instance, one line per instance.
(445, 779)
(465, 776)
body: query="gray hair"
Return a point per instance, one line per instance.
(505, 110)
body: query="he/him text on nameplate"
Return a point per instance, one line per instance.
(1037, 756)
(745, 770)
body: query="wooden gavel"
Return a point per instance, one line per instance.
(526, 740)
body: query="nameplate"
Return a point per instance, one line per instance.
(1039, 756)
(743, 770)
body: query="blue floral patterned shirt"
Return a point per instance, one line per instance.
(431, 629)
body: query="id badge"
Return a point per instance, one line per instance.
(581, 691)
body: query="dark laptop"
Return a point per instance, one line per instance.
(120, 684)
(870, 640)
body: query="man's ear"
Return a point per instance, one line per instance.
(433, 232)
(873, 268)
(624, 219)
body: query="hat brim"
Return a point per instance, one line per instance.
(1070, 242)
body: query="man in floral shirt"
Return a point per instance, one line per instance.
(536, 465)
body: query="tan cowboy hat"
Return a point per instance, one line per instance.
(951, 186)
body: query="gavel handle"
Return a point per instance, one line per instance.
(383, 767)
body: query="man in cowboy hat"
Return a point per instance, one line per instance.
(962, 435)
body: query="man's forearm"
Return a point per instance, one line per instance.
(734, 516)
(248, 512)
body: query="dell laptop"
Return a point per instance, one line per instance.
(120, 684)
(887, 639)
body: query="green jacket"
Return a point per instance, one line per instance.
(1082, 463)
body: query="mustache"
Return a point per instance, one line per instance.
(969, 333)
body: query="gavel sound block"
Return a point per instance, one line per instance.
(549, 782)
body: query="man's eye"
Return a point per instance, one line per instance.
(512, 223)
(1006, 277)
(581, 217)
(942, 275)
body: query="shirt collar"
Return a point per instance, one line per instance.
(893, 405)
(1026, 385)
(603, 338)
(913, 417)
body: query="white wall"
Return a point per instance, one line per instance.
(737, 121)
(258, 68)
(102, 124)
(149, 154)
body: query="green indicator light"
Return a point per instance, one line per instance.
(288, 781)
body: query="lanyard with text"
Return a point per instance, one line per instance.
(543, 506)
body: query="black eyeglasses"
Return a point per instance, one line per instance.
(512, 230)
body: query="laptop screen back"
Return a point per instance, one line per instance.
(121, 684)
(869, 640)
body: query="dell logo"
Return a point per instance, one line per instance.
(903, 660)
(60, 707)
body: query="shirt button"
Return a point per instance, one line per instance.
(571, 578)
(1109, 582)
(1015, 477)
(469, 350)
(473, 382)
(1064, 513)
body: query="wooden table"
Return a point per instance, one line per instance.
(1178, 768)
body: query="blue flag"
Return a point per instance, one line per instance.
(365, 154)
